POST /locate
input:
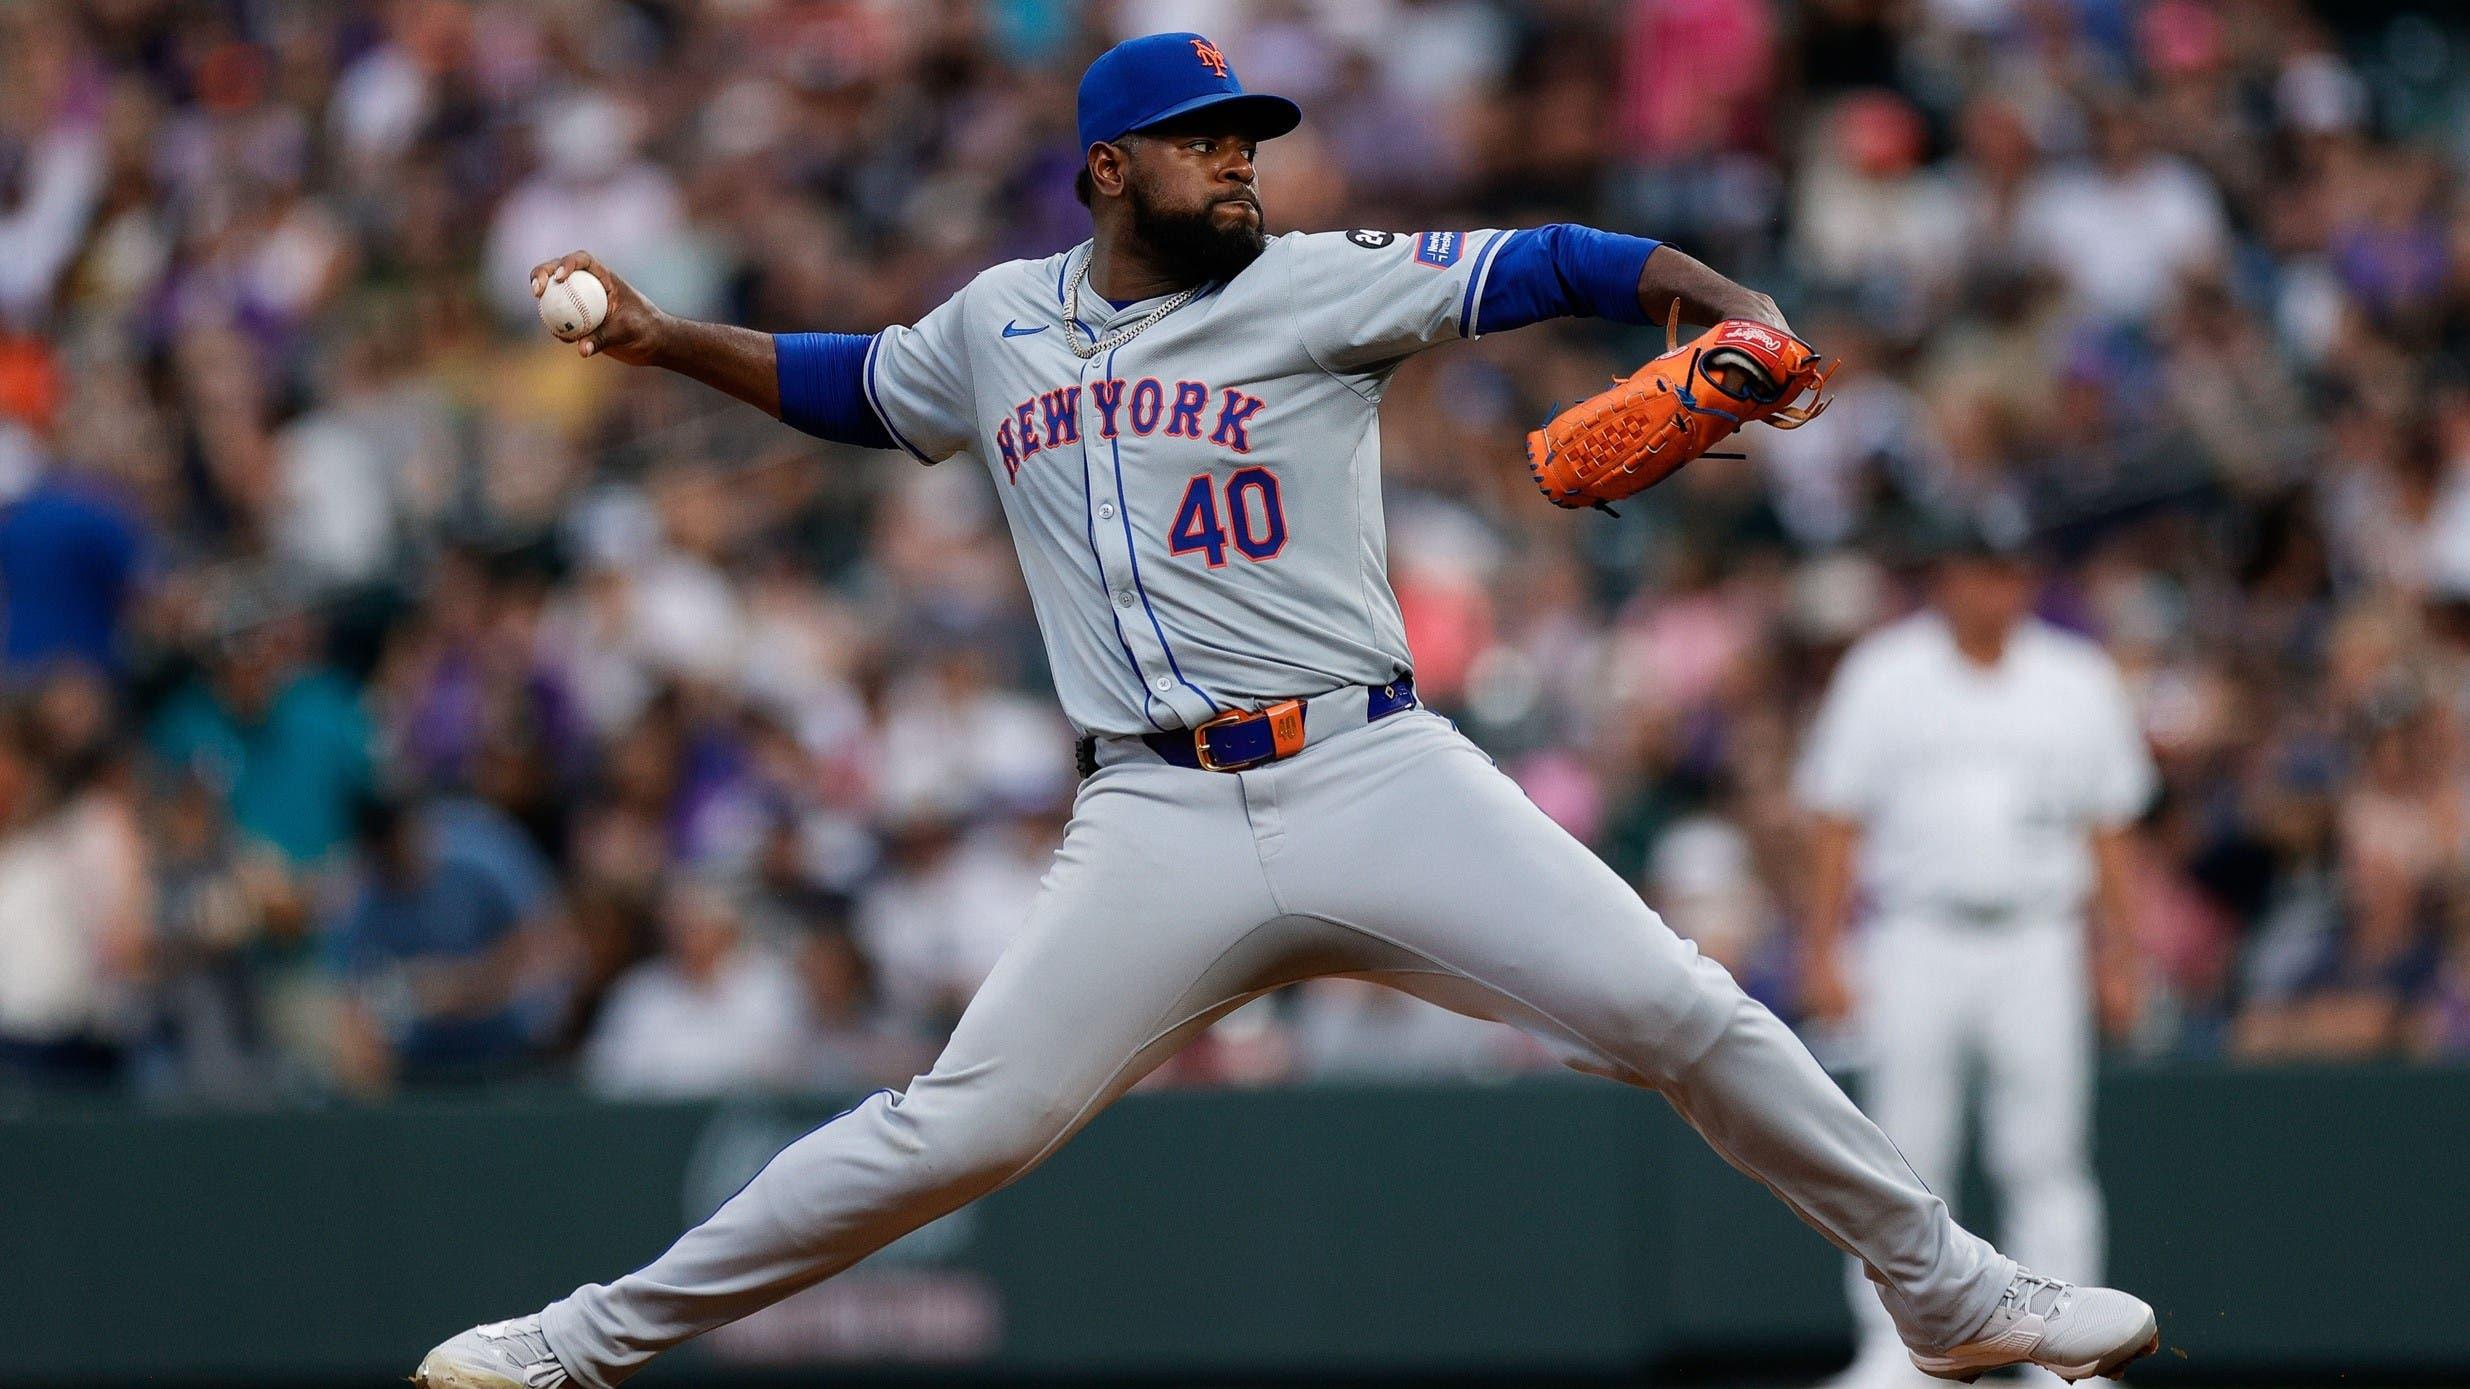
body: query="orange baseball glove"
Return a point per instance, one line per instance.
(1674, 409)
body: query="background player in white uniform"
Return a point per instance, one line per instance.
(1978, 770)
(1181, 419)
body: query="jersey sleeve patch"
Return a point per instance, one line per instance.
(1439, 249)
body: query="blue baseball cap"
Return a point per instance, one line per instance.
(1140, 82)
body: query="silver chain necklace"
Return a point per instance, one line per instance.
(1125, 334)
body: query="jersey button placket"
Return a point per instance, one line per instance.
(1134, 621)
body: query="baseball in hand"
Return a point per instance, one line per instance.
(571, 308)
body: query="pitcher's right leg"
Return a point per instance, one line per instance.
(1103, 984)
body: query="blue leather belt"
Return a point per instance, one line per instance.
(1247, 738)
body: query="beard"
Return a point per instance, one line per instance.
(1192, 245)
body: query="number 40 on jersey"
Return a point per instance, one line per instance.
(1254, 517)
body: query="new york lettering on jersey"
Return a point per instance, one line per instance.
(1052, 419)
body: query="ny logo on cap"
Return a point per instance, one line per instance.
(1208, 53)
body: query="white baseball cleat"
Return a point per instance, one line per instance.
(500, 1355)
(2072, 1332)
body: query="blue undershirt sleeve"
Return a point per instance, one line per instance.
(823, 388)
(1562, 270)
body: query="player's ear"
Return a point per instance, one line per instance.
(1107, 169)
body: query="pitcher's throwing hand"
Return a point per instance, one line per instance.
(629, 331)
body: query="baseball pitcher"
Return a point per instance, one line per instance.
(1181, 418)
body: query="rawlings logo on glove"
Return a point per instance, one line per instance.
(1674, 409)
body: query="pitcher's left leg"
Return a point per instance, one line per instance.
(1405, 831)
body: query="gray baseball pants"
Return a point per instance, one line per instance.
(1393, 851)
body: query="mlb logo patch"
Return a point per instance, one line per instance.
(1438, 249)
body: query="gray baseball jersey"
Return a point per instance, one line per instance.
(1198, 511)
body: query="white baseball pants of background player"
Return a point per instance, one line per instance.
(1943, 1001)
(1391, 850)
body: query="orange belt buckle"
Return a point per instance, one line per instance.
(1286, 735)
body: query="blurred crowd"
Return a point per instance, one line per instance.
(393, 698)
